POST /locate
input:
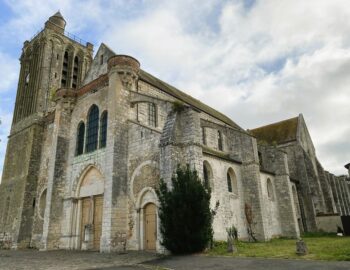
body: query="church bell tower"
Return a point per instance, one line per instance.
(50, 60)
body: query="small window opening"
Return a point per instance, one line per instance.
(220, 141)
(152, 115)
(101, 59)
(204, 138)
(27, 79)
(64, 70)
(206, 176)
(229, 182)
(260, 158)
(75, 72)
(103, 131)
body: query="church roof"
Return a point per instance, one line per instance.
(171, 90)
(58, 14)
(280, 132)
(347, 166)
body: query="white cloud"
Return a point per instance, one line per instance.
(258, 65)
(9, 68)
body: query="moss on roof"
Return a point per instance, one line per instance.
(277, 133)
(219, 154)
(186, 98)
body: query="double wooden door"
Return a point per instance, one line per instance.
(92, 209)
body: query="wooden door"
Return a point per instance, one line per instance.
(85, 218)
(150, 226)
(97, 225)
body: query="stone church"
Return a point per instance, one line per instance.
(92, 136)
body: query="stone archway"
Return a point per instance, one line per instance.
(147, 221)
(90, 209)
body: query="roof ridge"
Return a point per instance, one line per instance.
(275, 123)
(169, 89)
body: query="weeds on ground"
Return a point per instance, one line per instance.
(321, 246)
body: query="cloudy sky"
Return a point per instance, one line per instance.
(256, 61)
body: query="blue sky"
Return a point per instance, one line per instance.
(256, 61)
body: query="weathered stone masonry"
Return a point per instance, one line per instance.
(91, 137)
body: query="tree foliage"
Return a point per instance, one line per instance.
(184, 212)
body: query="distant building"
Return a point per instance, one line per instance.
(91, 137)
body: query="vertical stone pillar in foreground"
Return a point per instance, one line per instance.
(285, 199)
(253, 197)
(123, 74)
(57, 169)
(180, 143)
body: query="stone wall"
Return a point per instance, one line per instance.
(329, 223)
(19, 184)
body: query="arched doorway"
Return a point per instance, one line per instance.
(91, 204)
(150, 224)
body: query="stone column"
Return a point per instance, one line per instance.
(123, 74)
(181, 143)
(285, 198)
(335, 192)
(57, 170)
(345, 195)
(305, 190)
(340, 195)
(253, 197)
(326, 189)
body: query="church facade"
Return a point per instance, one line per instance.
(92, 136)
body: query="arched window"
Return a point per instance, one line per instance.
(152, 117)
(269, 188)
(207, 175)
(204, 137)
(92, 129)
(220, 145)
(231, 181)
(260, 158)
(80, 139)
(75, 72)
(42, 204)
(296, 202)
(64, 78)
(103, 130)
(27, 79)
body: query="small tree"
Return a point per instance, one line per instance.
(184, 213)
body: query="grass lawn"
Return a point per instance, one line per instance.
(321, 247)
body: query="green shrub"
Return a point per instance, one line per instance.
(184, 213)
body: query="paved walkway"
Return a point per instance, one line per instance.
(227, 263)
(62, 260)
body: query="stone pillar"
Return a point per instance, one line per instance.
(345, 195)
(285, 198)
(56, 170)
(326, 189)
(123, 74)
(340, 195)
(305, 191)
(169, 154)
(190, 129)
(334, 191)
(253, 197)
